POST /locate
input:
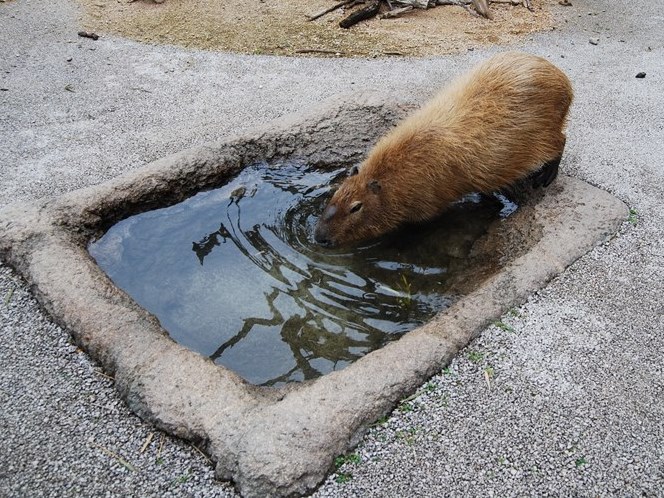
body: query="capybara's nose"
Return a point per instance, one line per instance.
(322, 235)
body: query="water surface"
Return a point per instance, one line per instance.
(234, 274)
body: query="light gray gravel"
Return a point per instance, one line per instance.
(576, 398)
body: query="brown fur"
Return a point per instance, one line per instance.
(484, 131)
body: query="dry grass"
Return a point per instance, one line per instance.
(281, 27)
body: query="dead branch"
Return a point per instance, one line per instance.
(317, 51)
(418, 4)
(367, 12)
(331, 9)
(479, 8)
(147, 442)
(391, 14)
(482, 8)
(459, 3)
(514, 3)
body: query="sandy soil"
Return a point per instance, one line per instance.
(281, 27)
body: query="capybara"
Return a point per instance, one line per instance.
(487, 129)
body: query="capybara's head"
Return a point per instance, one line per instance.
(356, 212)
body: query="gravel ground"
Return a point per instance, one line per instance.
(565, 396)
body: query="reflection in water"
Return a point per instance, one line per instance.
(260, 297)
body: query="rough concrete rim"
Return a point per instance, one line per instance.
(269, 442)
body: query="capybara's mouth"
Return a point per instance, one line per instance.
(324, 242)
(322, 236)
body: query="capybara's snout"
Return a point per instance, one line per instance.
(322, 233)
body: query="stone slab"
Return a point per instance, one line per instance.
(270, 442)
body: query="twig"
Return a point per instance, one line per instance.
(9, 295)
(458, 3)
(461, 3)
(99, 372)
(202, 454)
(112, 454)
(487, 377)
(147, 442)
(418, 4)
(391, 14)
(316, 51)
(514, 3)
(331, 9)
(161, 445)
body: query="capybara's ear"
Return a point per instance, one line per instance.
(354, 170)
(373, 186)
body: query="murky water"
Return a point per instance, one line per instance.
(234, 274)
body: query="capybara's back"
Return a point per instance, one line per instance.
(501, 122)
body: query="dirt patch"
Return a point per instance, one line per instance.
(281, 27)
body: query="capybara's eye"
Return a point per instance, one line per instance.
(355, 206)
